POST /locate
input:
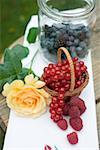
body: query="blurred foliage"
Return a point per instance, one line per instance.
(14, 17)
(66, 4)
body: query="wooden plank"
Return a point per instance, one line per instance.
(4, 112)
(98, 119)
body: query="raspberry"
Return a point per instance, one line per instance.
(47, 147)
(62, 124)
(72, 138)
(66, 109)
(76, 101)
(74, 112)
(76, 123)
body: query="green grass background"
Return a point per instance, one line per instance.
(14, 16)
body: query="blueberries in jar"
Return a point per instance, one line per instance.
(66, 35)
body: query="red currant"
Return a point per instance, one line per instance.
(56, 89)
(54, 100)
(60, 96)
(59, 64)
(78, 83)
(57, 72)
(52, 72)
(75, 59)
(81, 63)
(61, 76)
(67, 86)
(55, 78)
(48, 73)
(62, 90)
(50, 66)
(51, 105)
(45, 69)
(59, 111)
(67, 76)
(57, 68)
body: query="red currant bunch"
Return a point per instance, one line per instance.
(57, 76)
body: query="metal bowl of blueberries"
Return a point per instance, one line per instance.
(67, 23)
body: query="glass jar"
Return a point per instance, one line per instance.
(65, 23)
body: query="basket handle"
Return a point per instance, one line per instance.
(71, 64)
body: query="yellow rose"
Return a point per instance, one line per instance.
(27, 99)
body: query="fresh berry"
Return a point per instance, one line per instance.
(76, 101)
(47, 147)
(72, 138)
(60, 96)
(74, 112)
(76, 123)
(62, 124)
(66, 109)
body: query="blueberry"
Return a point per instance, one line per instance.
(67, 27)
(58, 34)
(62, 31)
(70, 32)
(83, 45)
(42, 37)
(76, 42)
(86, 29)
(82, 54)
(88, 34)
(53, 35)
(59, 26)
(66, 36)
(42, 41)
(69, 43)
(49, 45)
(75, 33)
(81, 36)
(71, 38)
(78, 49)
(72, 48)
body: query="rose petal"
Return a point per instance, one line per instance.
(39, 84)
(16, 85)
(6, 90)
(29, 79)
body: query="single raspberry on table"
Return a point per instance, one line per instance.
(76, 123)
(76, 101)
(74, 112)
(62, 124)
(72, 138)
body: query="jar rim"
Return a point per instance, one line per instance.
(68, 14)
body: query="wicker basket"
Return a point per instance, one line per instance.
(72, 91)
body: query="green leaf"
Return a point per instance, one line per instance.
(12, 66)
(32, 35)
(23, 73)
